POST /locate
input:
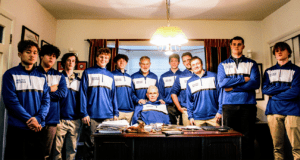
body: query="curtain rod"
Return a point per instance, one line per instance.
(143, 39)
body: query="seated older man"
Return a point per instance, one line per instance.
(153, 111)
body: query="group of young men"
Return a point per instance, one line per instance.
(44, 104)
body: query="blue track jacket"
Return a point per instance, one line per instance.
(230, 75)
(166, 82)
(69, 106)
(141, 84)
(98, 94)
(54, 77)
(124, 87)
(179, 87)
(202, 96)
(283, 84)
(25, 95)
(153, 112)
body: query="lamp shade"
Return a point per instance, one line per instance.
(168, 35)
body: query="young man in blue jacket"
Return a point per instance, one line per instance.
(98, 101)
(58, 90)
(153, 111)
(166, 82)
(282, 84)
(202, 96)
(238, 78)
(26, 97)
(123, 85)
(179, 88)
(68, 129)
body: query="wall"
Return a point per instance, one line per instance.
(72, 33)
(31, 14)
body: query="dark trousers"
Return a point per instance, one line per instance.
(23, 144)
(49, 132)
(242, 119)
(173, 114)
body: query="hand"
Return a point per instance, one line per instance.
(86, 120)
(218, 117)
(228, 89)
(182, 109)
(33, 124)
(192, 121)
(247, 79)
(116, 118)
(162, 101)
(54, 88)
(142, 101)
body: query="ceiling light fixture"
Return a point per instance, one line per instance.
(168, 39)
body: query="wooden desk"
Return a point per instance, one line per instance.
(191, 145)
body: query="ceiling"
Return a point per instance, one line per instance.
(156, 9)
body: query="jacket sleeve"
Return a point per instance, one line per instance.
(218, 94)
(227, 82)
(189, 102)
(83, 89)
(293, 92)
(114, 99)
(160, 97)
(161, 88)
(61, 92)
(176, 87)
(271, 89)
(45, 104)
(11, 100)
(133, 93)
(253, 83)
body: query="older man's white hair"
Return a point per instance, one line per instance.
(151, 87)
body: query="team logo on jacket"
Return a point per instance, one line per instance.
(29, 83)
(142, 83)
(169, 81)
(244, 68)
(183, 82)
(203, 84)
(100, 80)
(281, 75)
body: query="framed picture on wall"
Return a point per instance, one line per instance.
(81, 65)
(28, 34)
(44, 43)
(259, 94)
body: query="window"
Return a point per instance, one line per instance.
(159, 61)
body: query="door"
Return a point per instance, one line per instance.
(5, 47)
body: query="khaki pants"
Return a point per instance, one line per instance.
(126, 115)
(278, 124)
(68, 131)
(209, 122)
(185, 119)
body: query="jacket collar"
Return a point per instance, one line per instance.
(289, 63)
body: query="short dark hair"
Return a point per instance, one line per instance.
(174, 55)
(49, 49)
(186, 54)
(26, 44)
(196, 57)
(144, 57)
(121, 56)
(237, 38)
(106, 51)
(282, 46)
(66, 56)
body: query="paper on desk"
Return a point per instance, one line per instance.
(119, 123)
